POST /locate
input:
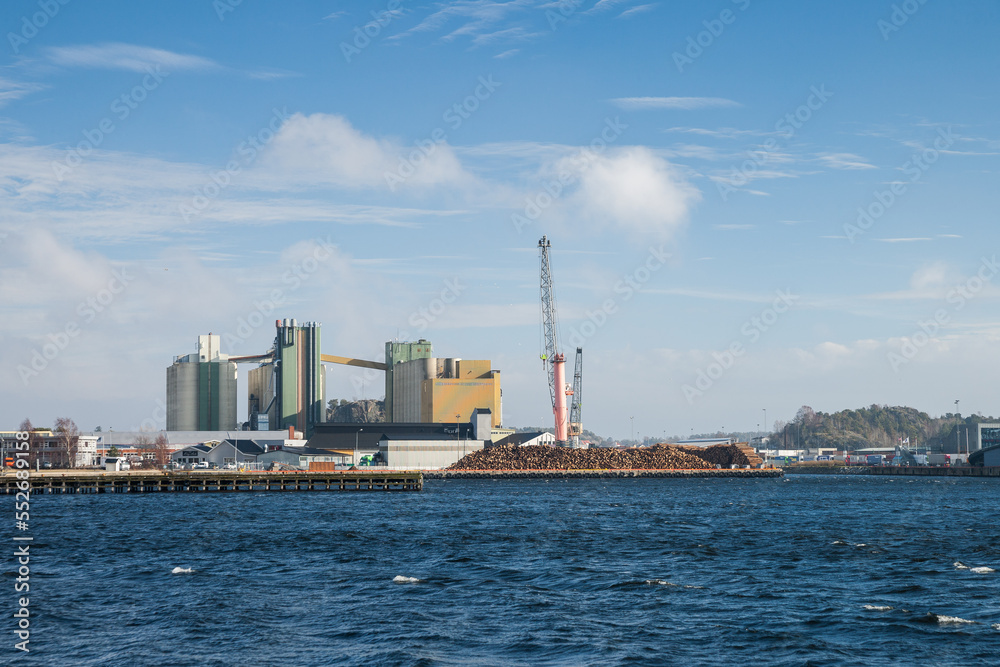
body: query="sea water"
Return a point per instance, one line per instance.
(818, 570)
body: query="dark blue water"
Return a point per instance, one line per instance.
(802, 571)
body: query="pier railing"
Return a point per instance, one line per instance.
(214, 481)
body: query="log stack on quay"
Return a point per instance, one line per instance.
(660, 460)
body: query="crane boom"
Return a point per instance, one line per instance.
(552, 358)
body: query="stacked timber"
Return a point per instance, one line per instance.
(657, 457)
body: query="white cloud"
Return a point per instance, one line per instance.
(680, 103)
(909, 239)
(845, 161)
(129, 57)
(638, 9)
(327, 149)
(633, 190)
(14, 90)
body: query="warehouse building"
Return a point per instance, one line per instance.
(420, 445)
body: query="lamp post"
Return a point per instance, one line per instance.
(355, 462)
(633, 430)
(765, 418)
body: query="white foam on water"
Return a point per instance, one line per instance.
(658, 582)
(877, 607)
(995, 626)
(400, 579)
(841, 542)
(960, 566)
(982, 570)
(182, 570)
(690, 586)
(951, 620)
(861, 545)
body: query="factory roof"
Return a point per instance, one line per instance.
(245, 446)
(520, 438)
(367, 436)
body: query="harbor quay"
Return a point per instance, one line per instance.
(747, 473)
(210, 481)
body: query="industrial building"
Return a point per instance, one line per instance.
(289, 389)
(201, 389)
(442, 390)
(408, 445)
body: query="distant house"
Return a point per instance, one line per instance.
(116, 463)
(301, 457)
(190, 455)
(219, 454)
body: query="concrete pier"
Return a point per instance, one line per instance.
(211, 481)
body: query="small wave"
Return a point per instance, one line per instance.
(861, 545)
(658, 582)
(982, 570)
(400, 579)
(877, 607)
(839, 542)
(948, 620)
(995, 626)
(960, 566)
(182, 570)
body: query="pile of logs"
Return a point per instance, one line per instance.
(657, 457)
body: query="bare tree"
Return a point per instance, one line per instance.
(69, 442)
(161, 451)
(143, 445)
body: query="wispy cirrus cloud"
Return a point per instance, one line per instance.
(845, 161)
(14, 90)
(130, 57)
(676, 103)
(909, 239)
(137, 58)
(638, 9)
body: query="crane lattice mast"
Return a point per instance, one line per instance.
(552, 358)
(576, 409)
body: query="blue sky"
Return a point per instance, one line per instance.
(172, 169)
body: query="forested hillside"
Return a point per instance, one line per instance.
(874, 426)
